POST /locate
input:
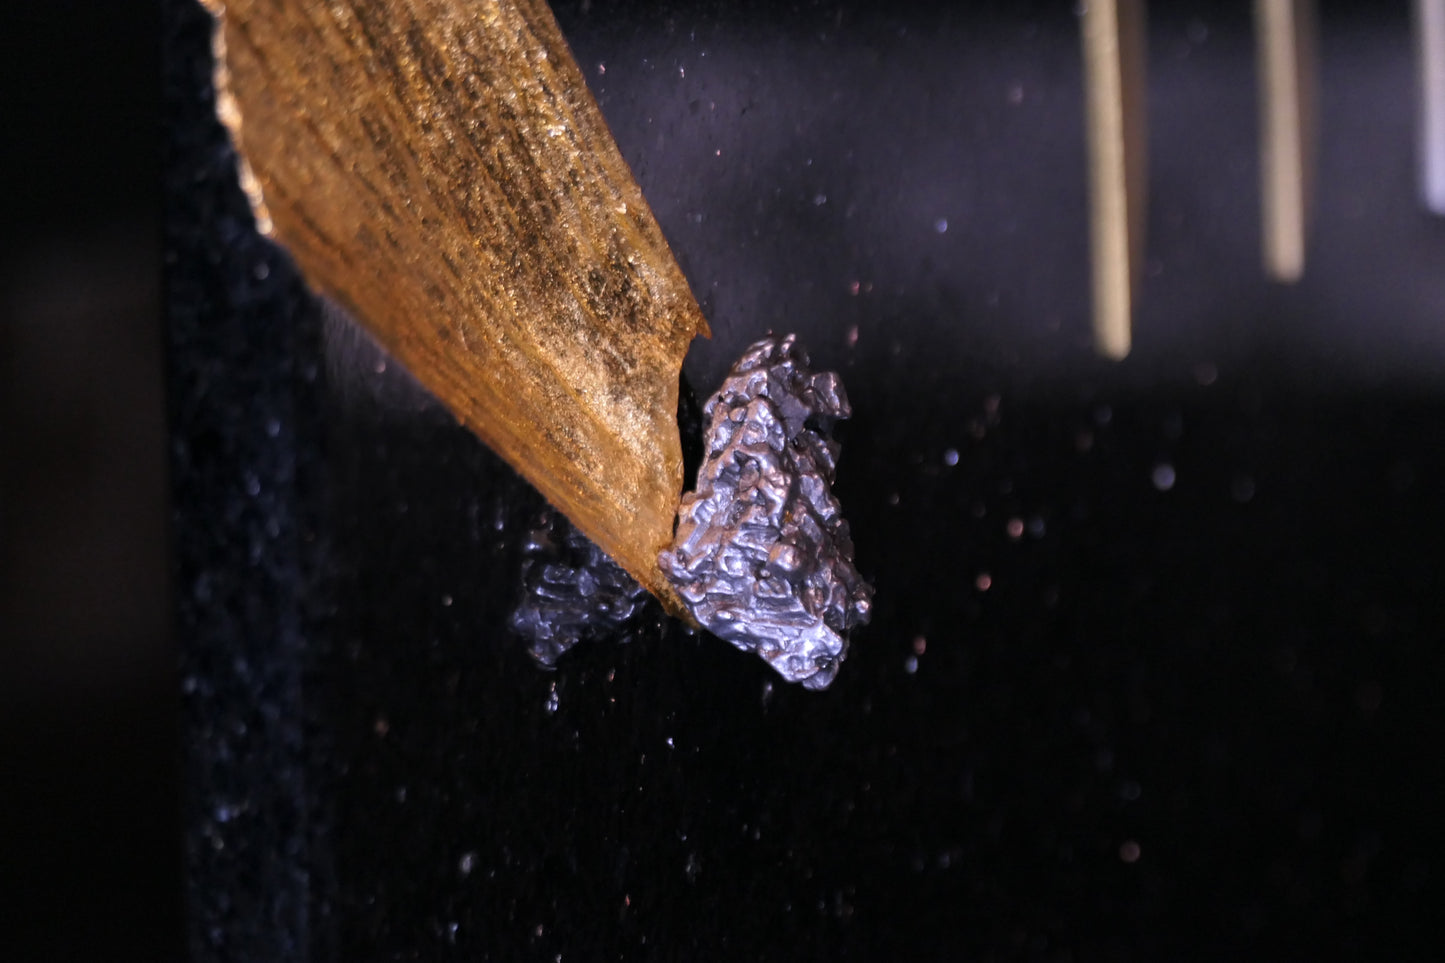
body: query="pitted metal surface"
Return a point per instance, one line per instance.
(762, 554)
(571, 590)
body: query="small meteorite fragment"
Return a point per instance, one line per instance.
(762, 555)
(571, 590)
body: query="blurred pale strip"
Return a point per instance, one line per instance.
(1285, 33)
(1113, 40)
(439, 168)
(1430, 41)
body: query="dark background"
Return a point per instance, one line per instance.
(1153, 669)
(90, 857)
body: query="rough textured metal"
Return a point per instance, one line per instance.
(762, 555)
(571, 590)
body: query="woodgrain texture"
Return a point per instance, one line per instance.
(440, 169)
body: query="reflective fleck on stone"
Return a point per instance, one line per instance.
(762, 555)
(571, 590)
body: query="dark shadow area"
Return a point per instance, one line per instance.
(89, 747)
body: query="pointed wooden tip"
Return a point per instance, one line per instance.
(440, 169)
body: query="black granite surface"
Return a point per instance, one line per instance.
(1156, 647)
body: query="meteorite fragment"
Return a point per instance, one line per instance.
(762, 555)
(571, 590)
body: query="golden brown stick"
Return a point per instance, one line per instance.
(1113, 40)
(440, 169)
(1285, 39)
